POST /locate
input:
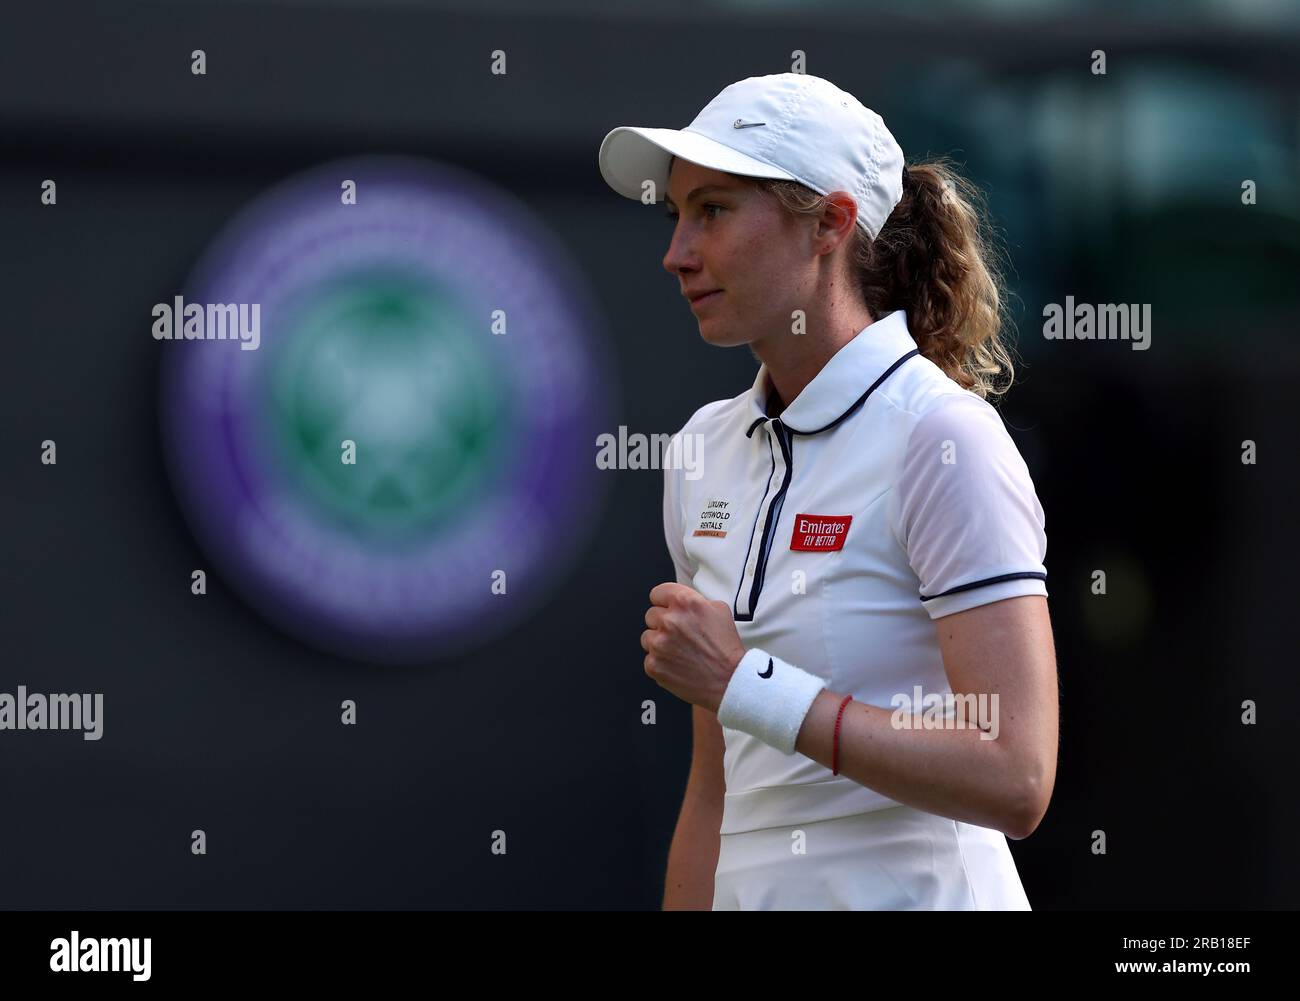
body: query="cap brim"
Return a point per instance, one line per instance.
(631, 155)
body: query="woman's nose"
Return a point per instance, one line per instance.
(680, 253)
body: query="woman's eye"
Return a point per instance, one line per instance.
(673, 215)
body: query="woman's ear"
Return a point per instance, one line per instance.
(835, 224)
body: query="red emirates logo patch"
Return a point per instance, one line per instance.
(820, 533)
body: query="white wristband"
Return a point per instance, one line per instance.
(769, 698)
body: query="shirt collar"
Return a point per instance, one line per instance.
(844, 382)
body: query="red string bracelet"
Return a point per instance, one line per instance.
(835, 753)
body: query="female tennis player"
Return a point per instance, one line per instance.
(859, 618)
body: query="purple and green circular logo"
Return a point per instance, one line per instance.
(378, 408)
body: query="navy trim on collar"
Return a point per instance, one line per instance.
(749, 433)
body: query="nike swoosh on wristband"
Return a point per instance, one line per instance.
(768, 672)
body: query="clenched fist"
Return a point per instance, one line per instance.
(692, 646)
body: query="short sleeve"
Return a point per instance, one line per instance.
(966, 510)
(673, 524)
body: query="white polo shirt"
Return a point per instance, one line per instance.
(884, 497)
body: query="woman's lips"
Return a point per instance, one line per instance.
(696, 303)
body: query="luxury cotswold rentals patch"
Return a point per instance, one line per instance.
(714, 519)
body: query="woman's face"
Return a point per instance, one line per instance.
(731, 236)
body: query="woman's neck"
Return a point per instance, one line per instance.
(798, 359)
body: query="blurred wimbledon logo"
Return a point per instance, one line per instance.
(402, 469)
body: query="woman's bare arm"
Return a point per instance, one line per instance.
(1004, 648)
(693, 856)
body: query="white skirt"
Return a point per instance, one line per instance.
(894, 859)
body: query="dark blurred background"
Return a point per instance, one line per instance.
(1120, 188)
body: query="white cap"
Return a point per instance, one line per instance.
(791, 126)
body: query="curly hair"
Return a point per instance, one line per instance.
(935, 258)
